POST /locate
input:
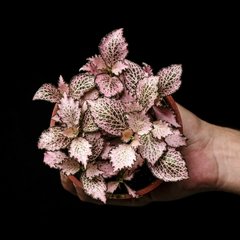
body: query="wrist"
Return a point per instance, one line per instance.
(227, 154)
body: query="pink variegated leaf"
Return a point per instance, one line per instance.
(171, 167)
(56, 118)
(106, 150)
(138, 163)
(69, 111)
(84, 106)
(62, 85)
(131, 192)
(147, 69)
(48, 92)
(132, 107)
(97, 144)
(161, 129)
(135, 143)
(69, 166)
(113, 47)
(95, 187)
(107, 169)
(53, 139)
(166, 114)
(112, 186)
(80, 149)
(94, 65)
(88, 124)
(91, 95)
(132, 76)
(53, 159)
(109, 86)
(139, 123)
(122, 156)
(176, 139)
(80, 84)
(169, 79)
(147, 91)
(150, 148)
(71, 132)
(109, 115)
(118, 67)
(128, 175)
(93, 171)
(127, 135)
(127, 97)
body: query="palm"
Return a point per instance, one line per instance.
(199, 159)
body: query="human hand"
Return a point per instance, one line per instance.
(212, 156)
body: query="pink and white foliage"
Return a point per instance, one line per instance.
(135, 143)
(62, 86)
(112, 186)
(93, 171)
(69, 111)
(166, 114)
(53, 159)
(95, 65)
(114, 120)
(113, 48)
(53, 139)
(131, 191)
(147, 69)
(122, 156)
(147, 91)
(138, 163)
(108, 85)
(106, 150)
(109, 115)
(69, 166)
(127, 97)
(171, 167)
(132, 76)
(107, 169)
(132, 107)
(151, 149)
(176, 139)
(97, 144)
(170, 79)
(71, 132)
(139, 122)
(161, 129)
(95, 187)
(80, 149)
(88, 124)
(80, 84)
(127, 135)
(91, 95)
(129, 173)
(48, 92)
(118, 67)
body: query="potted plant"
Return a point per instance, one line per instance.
(115, 129)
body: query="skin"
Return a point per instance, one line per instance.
(212, 156)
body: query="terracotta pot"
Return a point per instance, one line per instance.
(73, 185)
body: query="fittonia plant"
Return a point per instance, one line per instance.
(112, 119)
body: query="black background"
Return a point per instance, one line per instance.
(43, 42)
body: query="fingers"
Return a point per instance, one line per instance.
(191, 123)
(172, 191)
(133, 202)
